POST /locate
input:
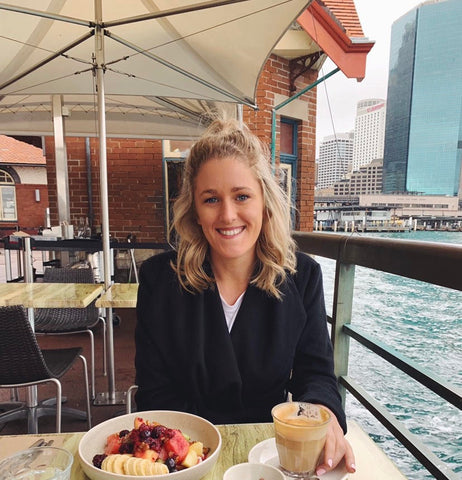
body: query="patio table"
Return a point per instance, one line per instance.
(237, 441)
(49, 295)
(119, 295)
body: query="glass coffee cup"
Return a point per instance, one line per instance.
(300, 431)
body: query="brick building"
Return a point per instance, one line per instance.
(23, 186)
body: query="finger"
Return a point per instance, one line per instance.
(349, 458)
(330, 449)
(329, 453)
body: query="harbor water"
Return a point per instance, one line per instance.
(424, 323)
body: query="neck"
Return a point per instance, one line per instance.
(232, 278)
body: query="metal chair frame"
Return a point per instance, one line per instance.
(58, 321)
(19, 347)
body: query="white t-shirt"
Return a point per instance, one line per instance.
(231, 310)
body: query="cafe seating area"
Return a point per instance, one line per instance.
(368, 455)
(121, 298)
(72, 385)
(26, 365)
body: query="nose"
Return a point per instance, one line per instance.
(227, 211)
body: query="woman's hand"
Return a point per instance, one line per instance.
(336, 448)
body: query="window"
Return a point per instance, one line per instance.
(288, 160)
(8, 210)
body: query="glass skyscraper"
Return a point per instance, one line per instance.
(423, 133)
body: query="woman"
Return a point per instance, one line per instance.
(234, 319)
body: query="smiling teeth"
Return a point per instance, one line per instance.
(229, 233)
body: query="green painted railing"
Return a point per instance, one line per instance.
(425, 261)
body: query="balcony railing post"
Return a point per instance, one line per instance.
(341, 315)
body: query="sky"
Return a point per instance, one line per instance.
(338, 95)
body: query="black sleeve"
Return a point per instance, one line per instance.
(156, 385)
(313, 379)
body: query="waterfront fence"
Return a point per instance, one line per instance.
(430, 262)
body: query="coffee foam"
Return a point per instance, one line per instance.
(298, 413)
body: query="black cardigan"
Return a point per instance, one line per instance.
(186, 359)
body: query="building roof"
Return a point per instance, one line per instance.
(334, 25)
(344, 13)
(14, 152)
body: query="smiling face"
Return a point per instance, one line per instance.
(229, 204)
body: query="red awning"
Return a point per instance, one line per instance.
(335, 27)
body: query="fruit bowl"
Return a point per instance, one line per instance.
(197, 428)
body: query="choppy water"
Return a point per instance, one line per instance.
(424, 323)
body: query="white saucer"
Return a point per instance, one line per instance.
(265, 452)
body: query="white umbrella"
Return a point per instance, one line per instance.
(161, 51)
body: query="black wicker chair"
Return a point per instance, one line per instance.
(65, 321)
(24, 364)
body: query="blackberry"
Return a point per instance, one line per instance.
(123, 433)
(157, 431)
(155, 444)
(134, 436)
(98, 460)
(126, 447)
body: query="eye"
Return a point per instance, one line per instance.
(242, 197)
(211, 200)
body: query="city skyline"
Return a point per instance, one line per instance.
(338, 96)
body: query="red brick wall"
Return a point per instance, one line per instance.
(135, 185)
(135, 188)
(31, 214)
(275, 79)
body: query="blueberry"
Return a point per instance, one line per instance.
(171, 464)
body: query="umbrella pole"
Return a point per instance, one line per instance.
(111, 397)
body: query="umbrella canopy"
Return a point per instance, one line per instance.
(161, 51)
(132, 58)
(126, 116)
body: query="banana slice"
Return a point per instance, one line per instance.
(126, 464)
(141, 466)
(106, 465)
(130, 466)
(156, 468)
(118, 463)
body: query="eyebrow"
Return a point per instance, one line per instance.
(212, 191)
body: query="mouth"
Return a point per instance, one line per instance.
(230, 232)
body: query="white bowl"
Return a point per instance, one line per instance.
(253, 471)
(36, 463)
(197, 428)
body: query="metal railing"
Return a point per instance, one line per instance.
(425, 261)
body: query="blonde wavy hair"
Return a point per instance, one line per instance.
(275, 248)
